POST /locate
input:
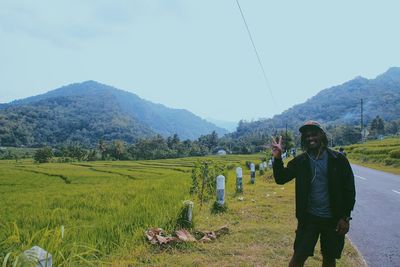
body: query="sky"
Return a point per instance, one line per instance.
(197, 55)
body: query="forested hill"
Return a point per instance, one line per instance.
(338, 105)
(86, 112)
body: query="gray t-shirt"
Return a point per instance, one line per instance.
(319, 204)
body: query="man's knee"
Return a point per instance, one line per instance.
(297, 260)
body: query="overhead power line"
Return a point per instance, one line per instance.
(260, 63)
(258, 56)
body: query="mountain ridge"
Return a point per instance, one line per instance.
(134, 117)
(336, 105)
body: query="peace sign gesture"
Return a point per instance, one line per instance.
(277, 147)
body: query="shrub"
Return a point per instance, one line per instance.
(248, 163)
(43, 155)
(204, 177)
(395, 154)
(230, 166)
(217, 208)
(392, 162)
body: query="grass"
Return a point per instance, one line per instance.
(378, 154)
(107, 206)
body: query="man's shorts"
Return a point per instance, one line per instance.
(307, 233)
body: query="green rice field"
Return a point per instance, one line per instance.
(379, 154)
(106, 206)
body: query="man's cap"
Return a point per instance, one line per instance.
(311, 125)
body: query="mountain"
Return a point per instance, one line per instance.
(338, 105)
(88, 111)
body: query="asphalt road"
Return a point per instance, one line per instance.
(375, 228)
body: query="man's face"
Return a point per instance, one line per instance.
(313, 139)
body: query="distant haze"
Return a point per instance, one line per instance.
(229, 125)
(196, 55)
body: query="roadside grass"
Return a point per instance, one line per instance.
(262, 228)
(378, 154)
(108, 205)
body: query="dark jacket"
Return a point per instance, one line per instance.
(342, 191)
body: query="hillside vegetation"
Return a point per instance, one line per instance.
(86, 112)
(380, 154)
(105, 207)
(337, 106)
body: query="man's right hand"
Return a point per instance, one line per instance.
(277, 148)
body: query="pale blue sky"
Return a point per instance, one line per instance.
(197, 55)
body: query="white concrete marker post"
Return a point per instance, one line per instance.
(189, 210)
(239, 180)
(261, 166)
(38, 256)
(220, 190)
(252, 173)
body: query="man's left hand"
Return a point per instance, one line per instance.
(342, 227)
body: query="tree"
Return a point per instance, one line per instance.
(287, 140)
(210, 140)
(377, 127)
(345, 134)
(43, 155)
(92, 155)
(117, 149)
(173, 142)
(77, 152)
(150, 148)
(102, 147)
(392, 127)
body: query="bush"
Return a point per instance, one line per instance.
(43, 155)
(217, 208)
(395, 154)
(392, 162)
(248, 163)
(230, 166)
(204, 177)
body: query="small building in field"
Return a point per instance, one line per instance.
(221, 152)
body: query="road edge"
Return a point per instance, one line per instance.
(363, 261)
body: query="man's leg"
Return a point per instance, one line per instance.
(297, 261)
(331, 244)
(328, 261)
(306, 238)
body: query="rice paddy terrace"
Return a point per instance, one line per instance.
(105, 207)
(379, 154)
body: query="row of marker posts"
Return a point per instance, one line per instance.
(221, 187)
(45, 259)
(239, 181)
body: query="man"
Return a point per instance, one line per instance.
(325, 194)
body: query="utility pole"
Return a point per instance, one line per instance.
(286, 140)
(362, 122)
